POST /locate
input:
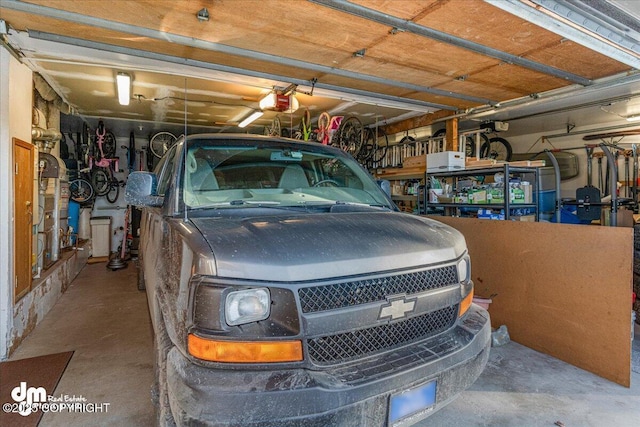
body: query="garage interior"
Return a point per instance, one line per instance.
(557, 80)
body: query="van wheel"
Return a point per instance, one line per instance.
(162, 345)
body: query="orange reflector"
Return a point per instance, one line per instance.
(466, 303)
(245, 351)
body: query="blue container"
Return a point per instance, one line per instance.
(568, 216)
(547, 200)
(74, 219)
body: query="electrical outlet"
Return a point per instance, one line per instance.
(42, 164)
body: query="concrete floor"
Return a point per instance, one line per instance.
(104, 319)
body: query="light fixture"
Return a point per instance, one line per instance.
(123, 82)
(279, 102)
(633, 118)
(250, 118)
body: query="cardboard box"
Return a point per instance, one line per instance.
(495, 195)
(526, 218)
(414, 161)
(490, 214)
(445, 161)
(478, 196)
(516, 193)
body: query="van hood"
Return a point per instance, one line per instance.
(298, 247)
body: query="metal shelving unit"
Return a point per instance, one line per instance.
(454, 209)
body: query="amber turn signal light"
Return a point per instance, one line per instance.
(466, 303)
(244, 351)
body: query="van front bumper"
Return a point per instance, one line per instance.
(357, 395)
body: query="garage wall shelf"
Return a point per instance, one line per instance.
(507, 189)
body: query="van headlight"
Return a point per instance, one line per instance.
(464, 269)
(247, 306)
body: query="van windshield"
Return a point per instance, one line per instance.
(233, 173)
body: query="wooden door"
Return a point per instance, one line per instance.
(23, 157)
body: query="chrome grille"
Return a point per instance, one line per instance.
(340, 295)
(354, 344)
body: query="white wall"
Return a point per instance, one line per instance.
(15, 122)
(560, 138)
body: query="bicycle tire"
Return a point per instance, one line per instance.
(350, 135)
(81, 191)
(109, 145)
(380, 152)
(114, 192)
(131, 152)
(497, 148)
(101, 181)
(161, 142)
(368, 146)
(86, 143)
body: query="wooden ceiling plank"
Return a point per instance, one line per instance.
(416, 122)
(466, 43)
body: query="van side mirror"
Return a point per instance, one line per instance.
(385, 185)
(141, 189)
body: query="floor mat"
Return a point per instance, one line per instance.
(23, 378)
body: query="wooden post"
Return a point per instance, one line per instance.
(451, 144)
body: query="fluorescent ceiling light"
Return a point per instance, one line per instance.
(250, 119)
(123, 82)
(634, 118)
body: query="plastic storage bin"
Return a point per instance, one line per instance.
(568, 216)
(74, 219)
(101, 235)
(547, 201)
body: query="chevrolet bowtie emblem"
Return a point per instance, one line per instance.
(397, 308)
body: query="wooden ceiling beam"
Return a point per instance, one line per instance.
(416, 122)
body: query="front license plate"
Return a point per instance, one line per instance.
(411, 404)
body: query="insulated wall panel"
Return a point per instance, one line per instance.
(564, 290)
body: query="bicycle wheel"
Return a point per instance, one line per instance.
(114, 192)
(380, 151)
(350, 135)
(161, 142)
(497, 149)
(368, 146)
(131, 152)
(81, 191)
(109, 145)
(86, 143)
(101, 181)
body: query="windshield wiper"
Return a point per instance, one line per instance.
(253, 203)
(365, 205)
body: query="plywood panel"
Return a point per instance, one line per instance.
(516, 78)
(578, 59)
(485, 24)
(564, 290)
